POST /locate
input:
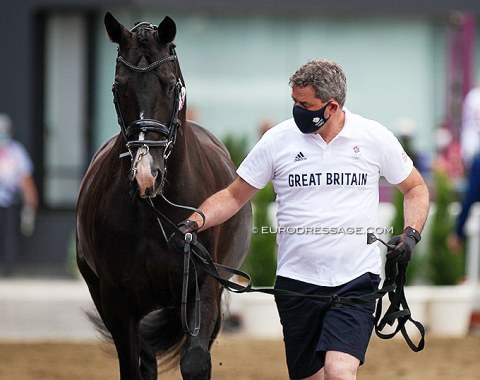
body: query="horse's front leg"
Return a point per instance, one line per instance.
(148, 361)
(124, 328)
(195, 361)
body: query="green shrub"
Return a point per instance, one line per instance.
(237, 146)
(260, 263)
(261, 260)
(445, 267)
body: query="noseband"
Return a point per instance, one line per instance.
(142, 126)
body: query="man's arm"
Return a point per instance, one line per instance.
(222, 205)
(416, 201)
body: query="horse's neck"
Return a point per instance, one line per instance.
(176, 164)
(183, 166)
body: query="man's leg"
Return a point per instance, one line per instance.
(9, 240)
(347, 330)
(338, 366)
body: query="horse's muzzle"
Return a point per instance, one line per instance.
(149, 177)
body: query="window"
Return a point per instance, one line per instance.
(65, 107)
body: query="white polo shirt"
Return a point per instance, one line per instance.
(327, 195)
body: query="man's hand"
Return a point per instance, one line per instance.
(175, 242)
(404, 245)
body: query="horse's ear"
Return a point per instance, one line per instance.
(167, 30)
(116, 31)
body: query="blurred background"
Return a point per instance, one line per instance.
(410, 65)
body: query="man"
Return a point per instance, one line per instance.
(325, 166)
(16, 186)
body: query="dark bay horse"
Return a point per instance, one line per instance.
(161, 159)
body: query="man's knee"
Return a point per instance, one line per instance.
(340, 366)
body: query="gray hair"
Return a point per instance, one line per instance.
(326, 77)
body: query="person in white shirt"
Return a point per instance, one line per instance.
(470, 136)
(17, 187)
(325, 164)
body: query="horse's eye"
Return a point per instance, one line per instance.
(119, 86)
(170, 88)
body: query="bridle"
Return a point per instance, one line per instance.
(169, 135)
(142, 126)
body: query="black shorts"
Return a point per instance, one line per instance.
(311, 327)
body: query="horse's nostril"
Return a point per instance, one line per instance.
(158, 176)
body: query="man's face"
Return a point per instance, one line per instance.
(305, 97)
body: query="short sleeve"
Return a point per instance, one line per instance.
(23, 160)
(396, 165)
(257, 168)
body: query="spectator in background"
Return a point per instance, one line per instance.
(193, 114)
(470, 145)
(17, 189)
(470, 137)
(472, 195)
(265, 125)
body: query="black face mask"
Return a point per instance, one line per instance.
(309, 121)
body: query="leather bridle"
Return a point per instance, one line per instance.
(167, 131)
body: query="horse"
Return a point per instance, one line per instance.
(160, 160)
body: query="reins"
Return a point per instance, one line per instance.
(395, 278)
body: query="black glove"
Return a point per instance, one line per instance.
(404, 245)
(176, 242)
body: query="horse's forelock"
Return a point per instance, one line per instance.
(142, 35)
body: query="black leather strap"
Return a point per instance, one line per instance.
(398, 311)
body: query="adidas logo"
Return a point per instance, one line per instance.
(300, 157)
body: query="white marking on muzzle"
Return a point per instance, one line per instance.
(143, 172)
(144, 176)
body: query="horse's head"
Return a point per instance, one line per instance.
(148, 95)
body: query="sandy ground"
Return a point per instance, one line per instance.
(235, 357)
(44, 334)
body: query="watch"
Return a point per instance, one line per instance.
(412, 232)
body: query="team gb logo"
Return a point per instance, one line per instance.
(356, 152)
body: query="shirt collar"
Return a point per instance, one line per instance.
(347, 126)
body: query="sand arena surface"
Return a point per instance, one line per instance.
(44, 334)
(239, 358)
